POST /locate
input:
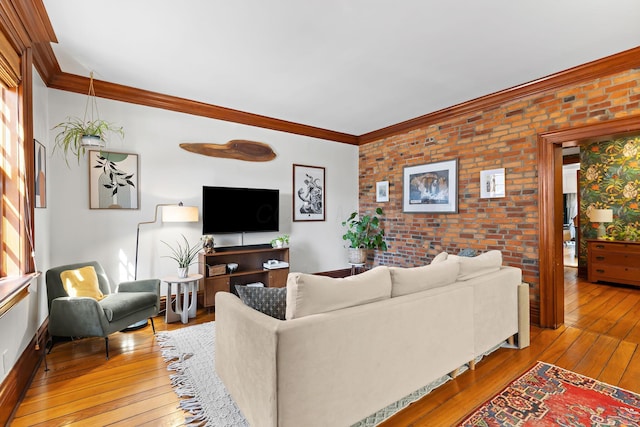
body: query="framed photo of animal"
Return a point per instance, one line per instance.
(309, 193)
(431, 188)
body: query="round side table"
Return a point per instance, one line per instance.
(186, 297)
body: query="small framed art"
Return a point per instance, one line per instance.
(40, 156)
(309, 193)
(382, 191)
(431, 188)
(113, 180)
(492, 183)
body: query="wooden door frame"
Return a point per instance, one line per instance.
(551, 302)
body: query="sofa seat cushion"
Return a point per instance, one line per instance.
(120, 305)
(270, 301)
(471, 267)
(409, 280)
(310, 294)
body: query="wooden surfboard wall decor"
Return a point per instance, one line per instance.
(239, 149)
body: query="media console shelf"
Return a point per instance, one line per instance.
(250, 269)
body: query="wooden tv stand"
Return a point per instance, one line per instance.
(250, 269)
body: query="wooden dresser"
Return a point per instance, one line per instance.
(614, 261)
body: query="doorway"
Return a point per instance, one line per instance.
(550, 144)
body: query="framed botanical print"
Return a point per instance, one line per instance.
(431, 188)
(309, 193)
(382, 191)
(113, 180)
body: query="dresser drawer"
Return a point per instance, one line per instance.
(621, 247)
(614, 258)
(614, 273)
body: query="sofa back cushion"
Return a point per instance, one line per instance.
(310, 294)
(409, 280)
(471, 267)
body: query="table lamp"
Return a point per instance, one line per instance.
(601, 216)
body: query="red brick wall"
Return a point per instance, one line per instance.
(504, 136)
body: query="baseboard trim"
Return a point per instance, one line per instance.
(16, 384)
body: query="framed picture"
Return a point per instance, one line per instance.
(492, 183)
(382, 191)
(431, 188)
(309, 193)
(40, 171)
(113, 180)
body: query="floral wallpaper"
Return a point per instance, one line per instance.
(610, 179)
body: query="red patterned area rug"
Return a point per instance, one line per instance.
(547, 395)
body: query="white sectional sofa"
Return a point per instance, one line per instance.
(352, 346)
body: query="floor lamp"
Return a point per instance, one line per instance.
(170, 213)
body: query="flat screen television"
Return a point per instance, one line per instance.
(239, 210)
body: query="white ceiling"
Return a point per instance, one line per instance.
(351, 66)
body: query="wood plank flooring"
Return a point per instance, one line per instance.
(600, 338)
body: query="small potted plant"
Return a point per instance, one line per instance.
(76, 135)
(363, 233)
(184, 255)
(280, 241)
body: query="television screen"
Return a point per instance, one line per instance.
(239, 210)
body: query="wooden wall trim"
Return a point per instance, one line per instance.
(79, 84)
(17, 382)
(551, 304)
(602, 67)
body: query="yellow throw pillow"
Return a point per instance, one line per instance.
(82, 282)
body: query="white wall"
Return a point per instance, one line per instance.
(168, 174)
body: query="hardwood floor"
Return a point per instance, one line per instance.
(600, 338)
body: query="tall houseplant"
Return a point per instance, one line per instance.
(364, 233)
(76, 135)
(184, 255)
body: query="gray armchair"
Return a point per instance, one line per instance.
(87, 317)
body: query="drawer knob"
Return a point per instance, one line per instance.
(599, 270)
(600, 246)
(600, 258)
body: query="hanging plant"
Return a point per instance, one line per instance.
(76, 135)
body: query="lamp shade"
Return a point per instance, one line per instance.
(179, 213)
(601, 215)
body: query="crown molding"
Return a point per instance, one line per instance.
(616, 63)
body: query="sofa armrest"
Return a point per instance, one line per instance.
(523, 316)
(146, 285)
(77, 317)
(246, 350)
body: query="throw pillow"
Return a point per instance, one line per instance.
(310, 294)
(82, 282)
(467, 252)
(270, 301)
(485, 263)
(409, 280)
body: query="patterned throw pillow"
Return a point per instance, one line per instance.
(270, 301)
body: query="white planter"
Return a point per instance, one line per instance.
(183, 272)
(92, 141)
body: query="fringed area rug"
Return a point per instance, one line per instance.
(547, 395)
(190, 353)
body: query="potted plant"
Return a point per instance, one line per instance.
(280, 241)
(363, 233)
(185, 255)
(76, 135)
